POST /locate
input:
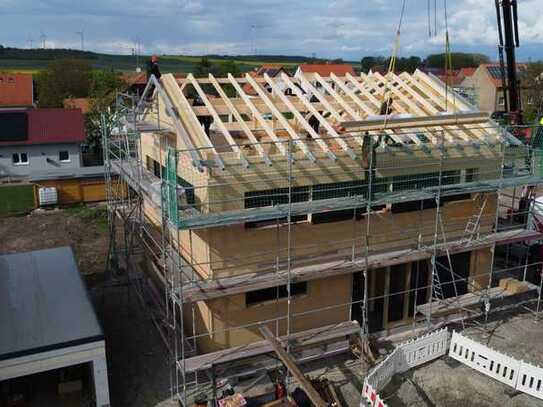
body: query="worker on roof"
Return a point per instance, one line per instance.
(152, 68)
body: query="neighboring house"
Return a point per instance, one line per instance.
(487, 86)
(40, 141)
(16, 90)
(84, 104)
(324, 70)
(273, 71)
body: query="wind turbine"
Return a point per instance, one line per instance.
(254, 27)
(30, 42)
(43, 37)
(82, 36)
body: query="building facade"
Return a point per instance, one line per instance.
(271, 221)
(40, 142)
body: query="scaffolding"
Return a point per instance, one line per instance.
(158, 206)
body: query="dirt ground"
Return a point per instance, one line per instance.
(83, 228)
(446, 382)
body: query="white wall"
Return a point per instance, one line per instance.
(42, 158)
(94, 353)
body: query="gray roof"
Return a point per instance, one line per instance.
(43, 303)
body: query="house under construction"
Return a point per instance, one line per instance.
(367, 205)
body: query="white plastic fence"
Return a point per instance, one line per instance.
(517, 374)
(406, 356)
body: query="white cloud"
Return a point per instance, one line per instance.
(330, 28)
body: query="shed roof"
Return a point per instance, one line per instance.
(43, 303)
(16, 89)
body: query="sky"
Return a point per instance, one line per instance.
(348, 29)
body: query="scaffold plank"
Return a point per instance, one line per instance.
(222, 287)
(301, 339)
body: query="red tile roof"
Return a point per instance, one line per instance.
(327, 69)
(16, 90)
(52, 126)
(85, 104)
(467, 72)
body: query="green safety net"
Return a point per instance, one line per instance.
(169, 187)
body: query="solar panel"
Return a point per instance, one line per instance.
(13, 126)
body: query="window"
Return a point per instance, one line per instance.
(19, 159)
(273, 293)
(419, 181)
(63, 156)
(501, 101)
(189, 190)
(472, 174)
(271, 197)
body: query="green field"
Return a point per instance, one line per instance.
(16, 199)
(34, 60)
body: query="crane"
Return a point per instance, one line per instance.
(507, 10)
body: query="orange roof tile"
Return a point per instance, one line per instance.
(327, 69)
(85, 104)
(16, 89)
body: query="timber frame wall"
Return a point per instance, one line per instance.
(245, 186)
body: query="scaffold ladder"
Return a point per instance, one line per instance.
(473, 225)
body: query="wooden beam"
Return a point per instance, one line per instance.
(411, 122)
(337, 98)
(303, 339)
(218, 120)
(263, 95)
(313, 394)
(362, 105)
(189, 119)
(258, 116)
(309, 106)
(256, 144)
(300, 118)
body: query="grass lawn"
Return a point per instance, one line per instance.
(16, 199)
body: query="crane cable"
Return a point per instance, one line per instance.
(448, 63)
(392, 65)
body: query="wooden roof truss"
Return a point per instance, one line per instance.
(346, 108)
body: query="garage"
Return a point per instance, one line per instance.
(52, 347)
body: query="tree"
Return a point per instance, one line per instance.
(459, 60)
(63, 78)
(204, 67)
(532, 91)
(104, 85)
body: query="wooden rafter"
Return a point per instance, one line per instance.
(309, 106)
(284, 122)
(362, 105)
(184, 110)
(239, 119)
(269, 131)
(300, 118)
(217, 120)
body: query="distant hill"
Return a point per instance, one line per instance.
(17, 59)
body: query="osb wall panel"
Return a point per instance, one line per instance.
(230, 312)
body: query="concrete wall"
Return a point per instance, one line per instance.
(38, 156)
